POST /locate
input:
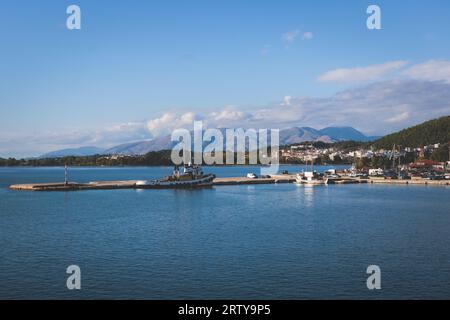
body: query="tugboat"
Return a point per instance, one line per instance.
(191, 176)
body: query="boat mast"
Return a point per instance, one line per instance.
(66, 181)
(393, 158)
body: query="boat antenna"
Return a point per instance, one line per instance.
(66, 181)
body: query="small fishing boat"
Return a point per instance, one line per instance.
(190, 176)
(310, 177)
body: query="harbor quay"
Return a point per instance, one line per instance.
(134, 184)
(274, 179)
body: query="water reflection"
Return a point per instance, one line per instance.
(308, 192)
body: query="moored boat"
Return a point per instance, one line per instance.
(310, 177)
(189, 176)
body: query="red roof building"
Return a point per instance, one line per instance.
(424, 163)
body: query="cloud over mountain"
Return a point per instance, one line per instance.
(420, 92)
(170, 121)
(375, 108)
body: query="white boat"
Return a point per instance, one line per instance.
(191, 176)
(310, 177)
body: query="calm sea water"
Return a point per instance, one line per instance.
(266, 241)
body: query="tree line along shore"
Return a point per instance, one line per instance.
(342, 153)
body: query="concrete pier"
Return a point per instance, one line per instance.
(244, 180)
(73, 186)
(131, 184)
(413, 181)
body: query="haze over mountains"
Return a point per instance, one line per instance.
(287, 136)
(76, 152)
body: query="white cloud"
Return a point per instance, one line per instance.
(399, 118)
(308, 35)
(227, 114)
(124, 131)
(286, 101)
(170, 121)
(25, 145)
(289, 37)
(359, 74)
(433, 70)
(375, 108)
(109, 135)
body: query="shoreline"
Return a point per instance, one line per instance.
(171, 166)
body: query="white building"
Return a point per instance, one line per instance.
(376, 172)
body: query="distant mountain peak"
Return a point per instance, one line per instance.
(287, 136)
(345, 133)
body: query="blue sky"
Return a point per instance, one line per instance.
(138, 68)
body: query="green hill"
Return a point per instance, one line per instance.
(430, 132)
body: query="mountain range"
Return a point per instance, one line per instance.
(76, 152)
(287, 136)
